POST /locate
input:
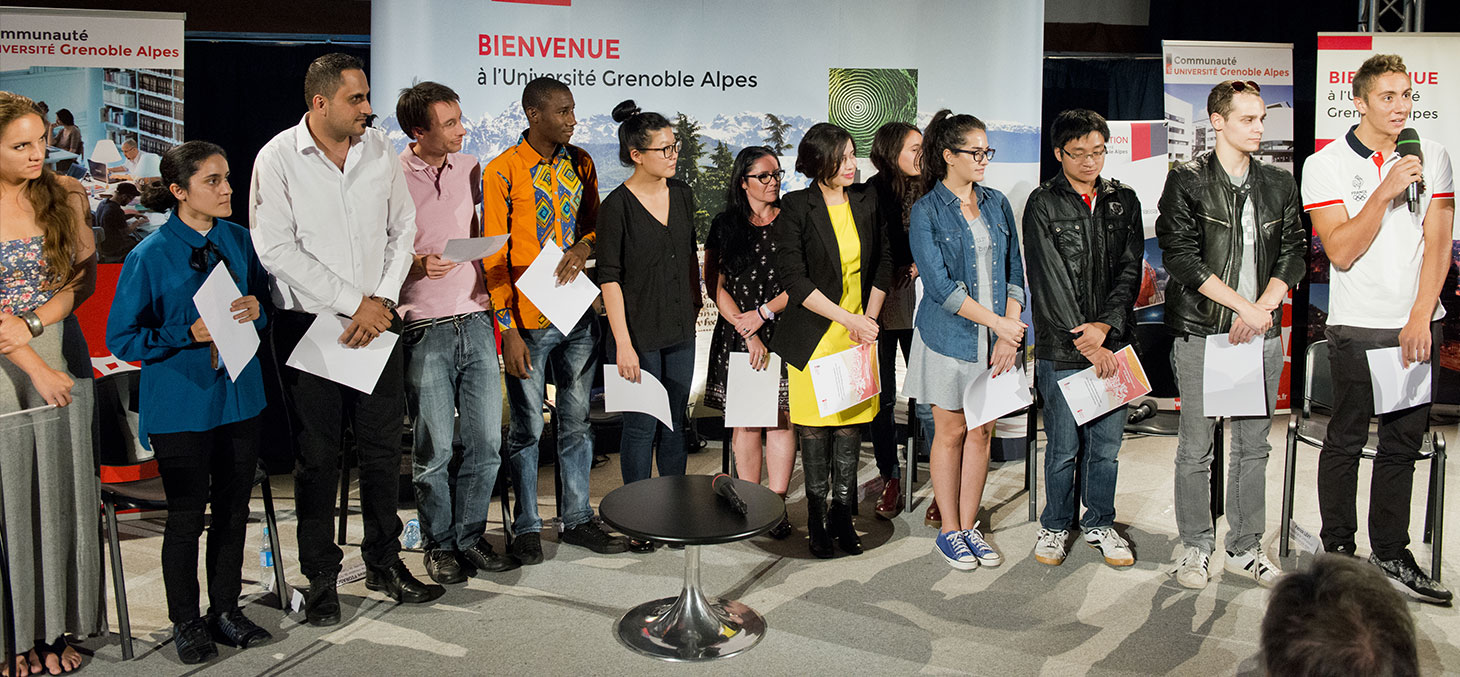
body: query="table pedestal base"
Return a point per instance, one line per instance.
(691, 627)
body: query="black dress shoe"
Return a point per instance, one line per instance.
(395, 580)
(322, 601)
(442, 567)
(527, 548)
(636, 545)
(193, 644)
(484, 558)
(781, 531)
(232, 628)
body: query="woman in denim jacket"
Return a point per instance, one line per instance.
(966, 249)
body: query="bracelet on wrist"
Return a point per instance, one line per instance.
(33, 323)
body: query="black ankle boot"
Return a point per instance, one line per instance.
(839, 524)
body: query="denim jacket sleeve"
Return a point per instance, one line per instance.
(1014, 258)
(937, 284)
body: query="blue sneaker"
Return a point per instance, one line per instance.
(954, 549)
(981, 548)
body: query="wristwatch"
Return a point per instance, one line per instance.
(33, 323)
(389, 304)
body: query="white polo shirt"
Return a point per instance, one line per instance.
(1378, 290)
(330, 237)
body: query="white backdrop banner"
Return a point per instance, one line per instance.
(89, 38)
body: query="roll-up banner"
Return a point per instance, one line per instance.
(726, 75)
(1431, 59)
(1191, 70)
(119, 76)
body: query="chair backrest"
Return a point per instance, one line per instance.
(1318, 388)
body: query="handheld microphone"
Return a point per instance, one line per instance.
(1409, 145)
(724, 487)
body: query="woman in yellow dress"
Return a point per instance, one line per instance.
(835, 266)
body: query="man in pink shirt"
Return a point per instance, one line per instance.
(450, 348)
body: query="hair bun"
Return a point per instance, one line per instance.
(625, 110)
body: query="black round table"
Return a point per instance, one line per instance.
(684, 510)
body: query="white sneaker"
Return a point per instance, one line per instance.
(1050, 548)
(1110, 544)
(1253, 564)
(1191, 570)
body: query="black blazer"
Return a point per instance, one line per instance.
(808, 259)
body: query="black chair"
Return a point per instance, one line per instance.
(140, 486)
(1309, 425)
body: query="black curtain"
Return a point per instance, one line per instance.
(1119, 88)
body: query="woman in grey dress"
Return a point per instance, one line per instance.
(47, 472)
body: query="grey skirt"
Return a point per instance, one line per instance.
(937, 379)
(51, 497)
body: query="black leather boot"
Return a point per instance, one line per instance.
(845, 450)
(815, 453)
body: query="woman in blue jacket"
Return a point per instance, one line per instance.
(966, 249)
(202, 424)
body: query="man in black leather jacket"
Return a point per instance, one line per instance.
(1234, 244)
(1083, 241)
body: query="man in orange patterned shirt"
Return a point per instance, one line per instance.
(542, 193)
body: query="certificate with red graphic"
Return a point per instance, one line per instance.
(1089, 396)
(844, 379)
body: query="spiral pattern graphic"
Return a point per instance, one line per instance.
(863, 99)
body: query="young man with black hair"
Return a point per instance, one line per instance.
(1234, 244)
(1083, 242)
(346, 255)
(1387, 263)
(542, 193)
(1340, 617)
(451, 351)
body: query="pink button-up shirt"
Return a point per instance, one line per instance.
(446, 200)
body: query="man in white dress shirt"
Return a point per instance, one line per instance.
(333, 222)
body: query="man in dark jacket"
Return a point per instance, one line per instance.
(1083, 239)
(1233, 243)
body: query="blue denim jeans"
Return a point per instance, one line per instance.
(1100, 442)
(451, 371)
(674, 367)
(573, 360)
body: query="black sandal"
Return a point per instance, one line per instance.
(58, 649)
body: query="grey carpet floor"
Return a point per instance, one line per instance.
(897, 609)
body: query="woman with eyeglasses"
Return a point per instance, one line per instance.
(897, 154)
(47, 473)
(202, 424)
(740, 271)
(967, 251)
(832, 260)
(651, 287)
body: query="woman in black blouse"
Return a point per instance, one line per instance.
(650, 279)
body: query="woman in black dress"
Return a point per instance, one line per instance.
(740, 270)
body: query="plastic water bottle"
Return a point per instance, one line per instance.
(410, 537)
(266, 561)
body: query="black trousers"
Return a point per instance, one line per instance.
(884, 433)
(214, 466)
(1400, 435)
(318, 411)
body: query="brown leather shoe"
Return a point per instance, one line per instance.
(890, 505)
(933, 518)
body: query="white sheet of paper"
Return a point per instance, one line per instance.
(563, 306)
(843, 380)
(1089, 396)
(1232, 382)
(472, 248)
(990, 397)
(752, 398)
(648, 396)
(237, 342)
(1394, 386)
(321, 353)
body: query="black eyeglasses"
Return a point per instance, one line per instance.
(767, 177)
(1244, 85)
(669, 151)
(1082, 156)
(979, 154)
(203, 258)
